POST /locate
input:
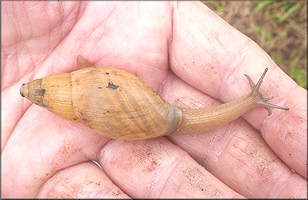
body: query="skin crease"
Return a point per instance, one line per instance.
(192, 58)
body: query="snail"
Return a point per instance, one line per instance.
(119, 105)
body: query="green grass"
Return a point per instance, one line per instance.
(261, 5)
(279, 27)
(288, 12)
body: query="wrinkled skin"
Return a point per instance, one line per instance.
(192, 58)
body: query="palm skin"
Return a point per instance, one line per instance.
(192, 58)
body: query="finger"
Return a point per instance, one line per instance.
(132, 36)
(28, 28)
(41, 145)
(287, 135)
(156, 168)
(213, 56)
(11, 112)
(84, 180)
(235, 153)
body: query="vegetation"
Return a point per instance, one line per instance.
(279, 27)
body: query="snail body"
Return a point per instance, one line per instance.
(119, 105)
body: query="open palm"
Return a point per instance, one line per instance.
(186, 53)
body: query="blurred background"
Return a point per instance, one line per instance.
(279, 27)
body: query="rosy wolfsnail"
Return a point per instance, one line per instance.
(119, 105)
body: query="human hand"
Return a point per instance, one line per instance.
(190, 57)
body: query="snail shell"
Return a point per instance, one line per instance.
(111, 102)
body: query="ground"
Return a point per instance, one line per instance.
(279, 27)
